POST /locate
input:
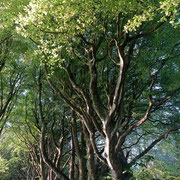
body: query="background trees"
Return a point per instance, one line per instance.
(112, 70)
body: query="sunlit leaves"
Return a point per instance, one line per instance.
(8, 11)
(51, 24)
(3, 165)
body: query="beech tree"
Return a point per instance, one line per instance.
(12, 49)
(10, 78)
(116, 65)
(113, 64)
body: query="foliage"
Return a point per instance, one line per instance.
(54, 26)
(163, 164)
(12, 156)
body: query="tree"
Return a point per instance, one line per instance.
(12, 51)
(10, 79)
(39, 124)
(113, 64)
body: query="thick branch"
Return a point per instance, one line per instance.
(78, 89)
(74, 136)
(92, 139)
(117, 98)
(98, 106)
(60, 94)
(58, 173)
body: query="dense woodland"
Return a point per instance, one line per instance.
(89, 90)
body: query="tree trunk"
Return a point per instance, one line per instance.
(42, 169)
(48, 162)
(72, 161)
(116, 160)
(82, 160)
(119, 175)
(119, 167)
(50, 173)
(80, 150)
(91, 161)
(82, 169)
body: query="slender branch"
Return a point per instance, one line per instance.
(78, 89)
(131, 127)
(59, 93)
(165, 135)
(161, 101)
(92, 139)
(97, 103)
(84, 40)
(145, 33)
(128, 147)
(109, 53)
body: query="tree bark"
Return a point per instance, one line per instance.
(91, 161)
(72, 161)
(42, 169)
(119, 168)
(80, 150)
(82, 160)
(49, 163)
(116, 160)
(82, 169)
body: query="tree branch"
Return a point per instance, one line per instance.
(165, 135)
